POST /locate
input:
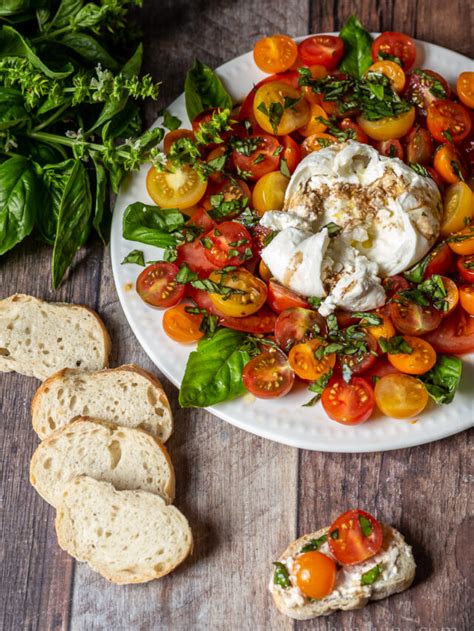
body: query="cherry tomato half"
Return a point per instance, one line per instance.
(360, 362)
(424, 87)
(281, 298)
(246, 296)
(449, 164)
(420, 360)
(458, 208)
(228, 243)
(465, 88)
(355, 130)
(175, 187)
(291, 152)
(157, 285)
(182, 326)
(304, 362)
(269, 192)
(263, 321)
(295, 114)
(465, 266)
(466, 298)
(419, 147)
(174, 135)
(391, 148)
(321, 50)
(355, 536)
(268, 375)
(441, 261)
(315, 574)
(392, 71)
(462, 242)
(348, 403)
(400, 396)
(276, 53)
(194, 255)
(263, 157)
(297, 325)
(448, 121)
(396, 45)
(455, 334)
(412, 319)
(394, 284)
(388, 128)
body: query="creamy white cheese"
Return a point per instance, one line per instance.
(389, 216)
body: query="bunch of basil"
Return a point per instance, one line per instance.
(70, 124)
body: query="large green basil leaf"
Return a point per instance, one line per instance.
(214, 371)
(89, 49)
(151, 225)
(65, 13)
(73, 224)
(203, 89)
(11, 7)
(443, 379)
(12, 44)
(21, 195)
(12, 110)
(357, 48)
(102, 216)
(55, 178)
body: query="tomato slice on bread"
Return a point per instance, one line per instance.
(354, 537)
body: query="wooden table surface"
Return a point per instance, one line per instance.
(245, 497)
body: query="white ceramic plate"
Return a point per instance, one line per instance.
(283, 420)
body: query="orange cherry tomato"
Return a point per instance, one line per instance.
(463, 242)
(466, 298)
(400, 396)
(279, 109)
(448, 121)
(452, 294)
(305, 364)
(291, 152)
(264, 271)
(392, 71)
(465, 88)
(356, 131)
(389, 127)
(268, 375)
(175, 187)
(174, 135)
(420, 360)
(317, 142)
(355, 536)
(276, 53)
(448, 164)
(182, 326)
(281, 298)
(269, 192)
(315, 574)
(248, 297)
(315, 125)
(384, 329)
(317, 72)
(458, 207)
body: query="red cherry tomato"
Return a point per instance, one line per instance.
(201, 220)
(390, 148)
(448, 121)
(291, 152)
(412, 319)
(203, 300)
(268, 375)
(298, 325)
(260, 234)
(280, 298)
(348, 403)
(360, 362)
(381, 368)
(230, 189)
(395, 284)
(205, 117)
(261, 322)
(419, 147)
(441, 261)
(321, 50)
(454, 335)
(424, 87)
(157, 285)
(194, 255)
(354, 537)
(397, 45)
(466, 267)
(357, 133)
(227, 244)
(263, 159)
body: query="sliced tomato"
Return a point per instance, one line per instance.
(202, 220)
(413, 319)
(354, 537)
(269, 192)
(194, 255)
(228, 243)
(441, 261)
(179, 187)
(458, 207)
(295, 112)
(291, 152)
(204, 117)
(381, 368)
(391, 148)
(462, 242)
(400, 396)
(394, 284)
(449, 163)
(452, 295)
(260, 236)
(261, 322)
(246, 295)
(421, 359)
(305, 362)
(356, 131)
(297, 325)
(176, 134)
(276, 53)
(181, 325)
(395, 44)
(316, 142)
(348, 403)
(448, 121)
(465, 266)
(280, 298)
(466, 298)
(424, 87)
(454, 335)
(157, 285)
(391, 127)
(419, 146)
(268, 375)
(230, 189)
(360, 362)
(392, 71)
(263, 159)
(321, 50)
(465, 88)
(203, 300)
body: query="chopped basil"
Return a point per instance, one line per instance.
(259, 158)
(207, 243)
(280, 575)
(369, 577)
(284, 170)
(369, 319)
(382, 56)
(334, 534)
(314, 544)
(314, 301)
(333, 229)
(185, 275)
(365, 526)
(278, 150)
(395, 345)
(457, 169)
(318, 387)
(447, 134)
(274, 113)
(246, 146)
(419, 169)
(136, 257)
(443, 379)
(169, 121)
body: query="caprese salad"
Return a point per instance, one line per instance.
(320, 231)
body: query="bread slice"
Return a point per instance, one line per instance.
(127, 396)
(126, 536)
(128, 458)
(398, 571)
(38, 338)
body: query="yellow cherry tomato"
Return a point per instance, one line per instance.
(465, 88)
(458, 208)
(400, 396)
(448, 164)
(466, 298)
(463, 242)
(315, 574)
(276, 53)
(315, 124)
(388, 128)
(279, 108)
(247, 293)
(421, 359)
(317, 142)
(175, 187)
(269, 192)
(392, 71)
(304, 362)
(384, 329)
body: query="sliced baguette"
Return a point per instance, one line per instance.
(128, 458)
(348, 592)
(128, 396)
(38, 338)
(126, 536)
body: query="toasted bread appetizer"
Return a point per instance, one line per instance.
(126, 536)
(128, 396)
(342, 567)
(128, 458)
(39, 338)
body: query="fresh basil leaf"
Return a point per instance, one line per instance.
(314, 544)
(102, 217)
(395, 345)
(369, 577)
(89, 49)
(357, 48)
(12, 44)
(12, 110)
(151, 225)
(55, 178)
(203, 89)
(443, 379)
(214, 371)
(136, 257)
(21, 195)
(12, 7)
(66, 12)
(318, 387)
(171, 122)
(365, 526)
(73, 221)
(280, 575)
(334, 534)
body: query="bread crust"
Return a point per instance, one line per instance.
(325, 607)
